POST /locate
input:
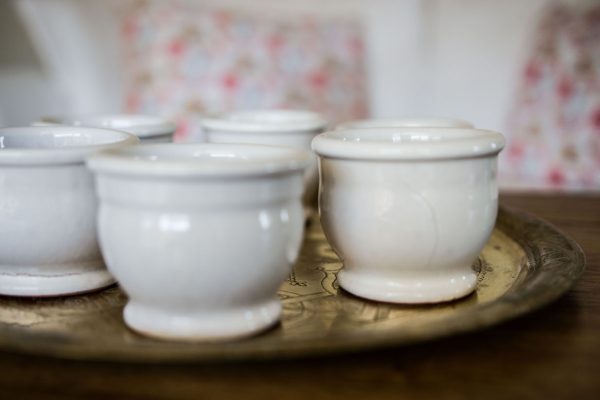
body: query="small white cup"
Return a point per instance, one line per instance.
(432, 122)
(149, 129)
(408, 210)
(48, 207)
(200, 236)
(290, 128)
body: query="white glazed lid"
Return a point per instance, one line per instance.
(425, 122)
(34, 145)
(202, 159)
(265, 121)
(143, 126)
(407, 143)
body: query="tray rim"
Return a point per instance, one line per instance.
(529, 296)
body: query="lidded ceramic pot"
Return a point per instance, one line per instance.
(149, 129)
(290, 128)
(432, 122)
(200, 236)
(48, 243)
(408, 209)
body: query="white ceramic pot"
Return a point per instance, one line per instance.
(149, 129)
(291, 128)
(409, 209)
(406, 123)
(200, 236)
(48, 241)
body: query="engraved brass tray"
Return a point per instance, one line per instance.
(525, 265)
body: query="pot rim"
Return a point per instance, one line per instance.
(408, 143)
(265, 121)
(143, 126)
(199, 160)
(409, 122)
(59, 154)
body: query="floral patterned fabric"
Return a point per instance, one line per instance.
(182, 59)
(554, 132)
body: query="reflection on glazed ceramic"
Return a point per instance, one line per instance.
(290, 128)
(48, 209)
(433, 122)
(408, 209)
(200, 236)
(149, 129)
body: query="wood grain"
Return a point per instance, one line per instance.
(553, 353)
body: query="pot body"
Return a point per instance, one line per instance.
(408, 210)
(272, 127)
(408, 231)
(201, 258)
(48, 207)
(294, 139)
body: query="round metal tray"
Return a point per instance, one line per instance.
(525, 265)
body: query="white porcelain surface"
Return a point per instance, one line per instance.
(200, 236)
(432, 122)
(48, 241)
(291, 128)
(149, 129)
(408, 209)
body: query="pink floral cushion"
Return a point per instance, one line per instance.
(555, 125)
(183, 59)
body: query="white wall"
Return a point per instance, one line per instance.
(77, 43)
(425, 57)
(24, 88)
(394, 36)
(460, 59)
(477, 51)
(26, 94)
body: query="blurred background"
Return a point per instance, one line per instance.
(529, 69)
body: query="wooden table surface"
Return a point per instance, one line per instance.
(552, 353)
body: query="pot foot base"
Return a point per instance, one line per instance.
(202, 325)
(410, 288)
(61, 280)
